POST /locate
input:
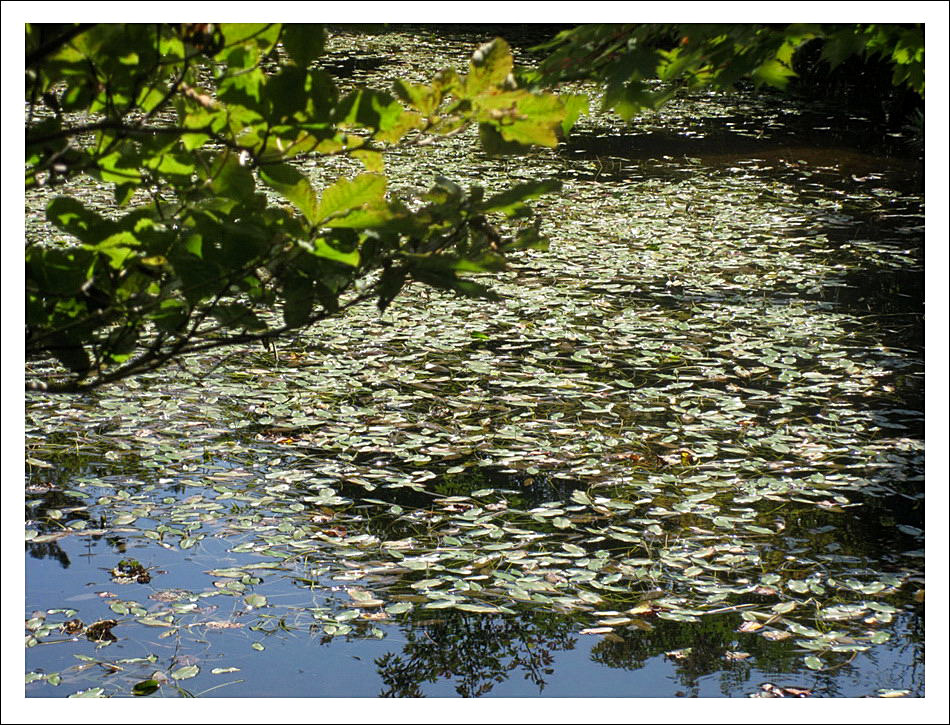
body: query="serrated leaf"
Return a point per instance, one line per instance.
(346, 195)
(372, 160)
(294, 187)
(490, 65)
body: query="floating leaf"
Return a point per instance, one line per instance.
(145, 687)
(479, 608)
(255, 600)
(185, 673)
(813, 663)
(91, 692)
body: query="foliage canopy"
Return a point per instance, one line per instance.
(214, 234)
(215, 226)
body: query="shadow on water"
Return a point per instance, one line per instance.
(523, 490)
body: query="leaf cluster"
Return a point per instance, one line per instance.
(628, 59)
(215, 234)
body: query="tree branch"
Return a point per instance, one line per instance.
(52, 45)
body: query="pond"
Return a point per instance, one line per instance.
(683, 457)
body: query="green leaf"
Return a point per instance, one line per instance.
(348, 194)
(171, 316)
(172, 165)
(495, 144)
(73, 217)
(773, 73)
(536, 120)
(372, 160)
(294, 187)
(321, 248)
(575, 105)
(784, 607)
(92, 692)
(490, 65)
(390, 284)
(299, 298)
(370, 109)
(231, 179)
(581, 498)
(478, 608)
(425, 99)
(119, 248)
(510, 201)
(244, 43)
(303, 42)
(255, 600)
(145, 688)
(285, 95)
(117, 168)
(185, 673)
(56, 271)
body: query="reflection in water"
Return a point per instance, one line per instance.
(474, 653)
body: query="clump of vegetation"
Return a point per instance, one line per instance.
(210, 225)
(206, 231)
